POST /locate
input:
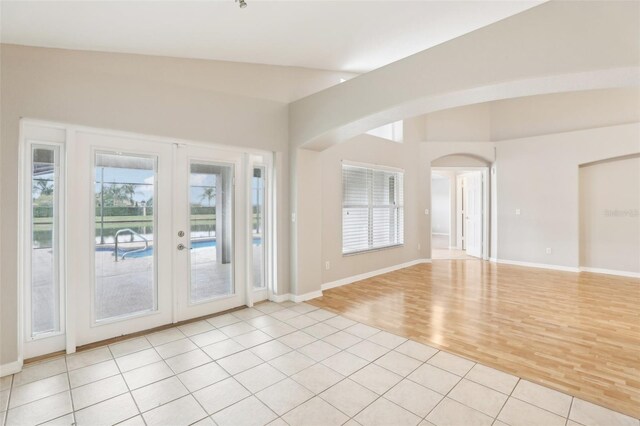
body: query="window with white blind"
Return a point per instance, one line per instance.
(372, 208)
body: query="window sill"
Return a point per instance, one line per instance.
(354, 253)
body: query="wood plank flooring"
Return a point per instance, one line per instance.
(577, 333)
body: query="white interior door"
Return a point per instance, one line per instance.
(209, 234)
(119, 220)
(460, 221)
(473, 214)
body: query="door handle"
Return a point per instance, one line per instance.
(181, 247)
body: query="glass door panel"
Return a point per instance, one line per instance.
(258, 223)
(45, 276)
(211, 231)
(120, 217)
(208, 239)
(125, 273)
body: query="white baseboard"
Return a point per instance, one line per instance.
(10, 368)
(318, 293)
(493, 259)
(538, 265)
(611, 272)
(279, 298)
(306, 296)
(359, 277)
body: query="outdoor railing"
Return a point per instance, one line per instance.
(133, 233)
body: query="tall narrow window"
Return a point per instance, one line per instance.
(258, 227)
(125, 251)
(45, 240)
(372, 208)
(211, 234)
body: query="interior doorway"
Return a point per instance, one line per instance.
(459, 213)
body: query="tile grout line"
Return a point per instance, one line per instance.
(507, 400)
(128, 388)
(163, 360)
(6, 414)
(569, 413)
(315, 363)
(73, 409)
(286, 376)
(354, 372)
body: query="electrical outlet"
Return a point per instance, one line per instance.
(293, 217)
(517, 211)
(426, 211)
(327, 265)
(418, 246)
(548, 250)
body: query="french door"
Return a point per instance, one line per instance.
(120, 205)
(207, 240)
(144, 233)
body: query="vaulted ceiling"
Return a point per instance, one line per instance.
(353, 36)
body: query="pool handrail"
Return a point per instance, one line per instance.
(133, 233)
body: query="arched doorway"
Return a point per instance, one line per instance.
(460, 207)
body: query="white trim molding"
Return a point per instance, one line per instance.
(611, 272)
(10, 368)
(306, 296)
(344, 281)
(359, 277)
(279, 298)
(537, 265)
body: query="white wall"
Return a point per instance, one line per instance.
(470, 123)
(540, 176)
(441, 203)
(372, 150)
(610, 215)
(308, 225)
(562, 112)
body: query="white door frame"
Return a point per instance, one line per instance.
(486, 211)
(257, 295)
(54, 137)
(70, 294)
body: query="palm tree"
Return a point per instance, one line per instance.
(128, 191)
(208, 194)
(43, 186)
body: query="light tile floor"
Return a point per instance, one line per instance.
(282, 364)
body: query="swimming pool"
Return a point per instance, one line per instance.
(149, 251)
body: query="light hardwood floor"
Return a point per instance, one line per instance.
(577, 333)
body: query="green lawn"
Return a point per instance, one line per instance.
(119, 222)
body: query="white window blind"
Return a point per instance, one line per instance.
(372, 208)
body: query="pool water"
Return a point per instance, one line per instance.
(149, 251)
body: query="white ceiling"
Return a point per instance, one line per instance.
(354, 36)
